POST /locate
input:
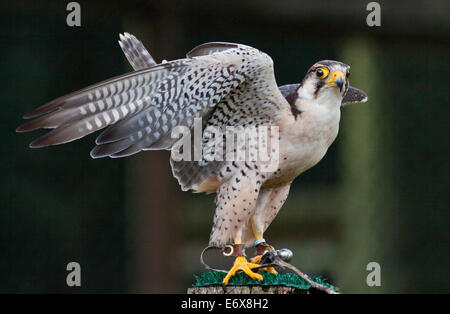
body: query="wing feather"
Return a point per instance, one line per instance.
(108, 88)
(255, 102)
(99, 105)
(210, 48)
(354, 95)
(227, 84)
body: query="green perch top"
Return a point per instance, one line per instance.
(241, 279)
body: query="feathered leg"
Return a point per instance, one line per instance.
(236, 201)
(269, 203)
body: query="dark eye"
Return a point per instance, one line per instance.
(348, 74)
(322, 72)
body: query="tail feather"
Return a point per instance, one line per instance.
(135, 52)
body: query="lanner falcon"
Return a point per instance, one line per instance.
(226, 85)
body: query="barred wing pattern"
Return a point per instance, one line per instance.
(83, 112)
(142, 105)
(191, 174)
(217, 81)
(256, 102)
(135, 52)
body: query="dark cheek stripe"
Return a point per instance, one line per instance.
(291, 99)
(319, 85)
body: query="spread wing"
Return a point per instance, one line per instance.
(142, 107)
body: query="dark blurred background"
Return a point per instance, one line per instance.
(380, 194)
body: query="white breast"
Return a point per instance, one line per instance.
(305, 140)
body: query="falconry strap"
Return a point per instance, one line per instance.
(263, 248)
(233, 250)
(270, 258)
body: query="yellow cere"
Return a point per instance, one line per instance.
(334, 76)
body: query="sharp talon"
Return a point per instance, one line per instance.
(257, 260)
(269, 270)
(241, 264)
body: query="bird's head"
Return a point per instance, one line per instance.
(326, 82)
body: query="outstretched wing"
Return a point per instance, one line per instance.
(88, 110)
(142, 107)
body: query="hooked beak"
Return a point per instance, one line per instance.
(336, 79)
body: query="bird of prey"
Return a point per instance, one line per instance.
(224, 84)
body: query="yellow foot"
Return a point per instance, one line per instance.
(241, 263)
(257, 260)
